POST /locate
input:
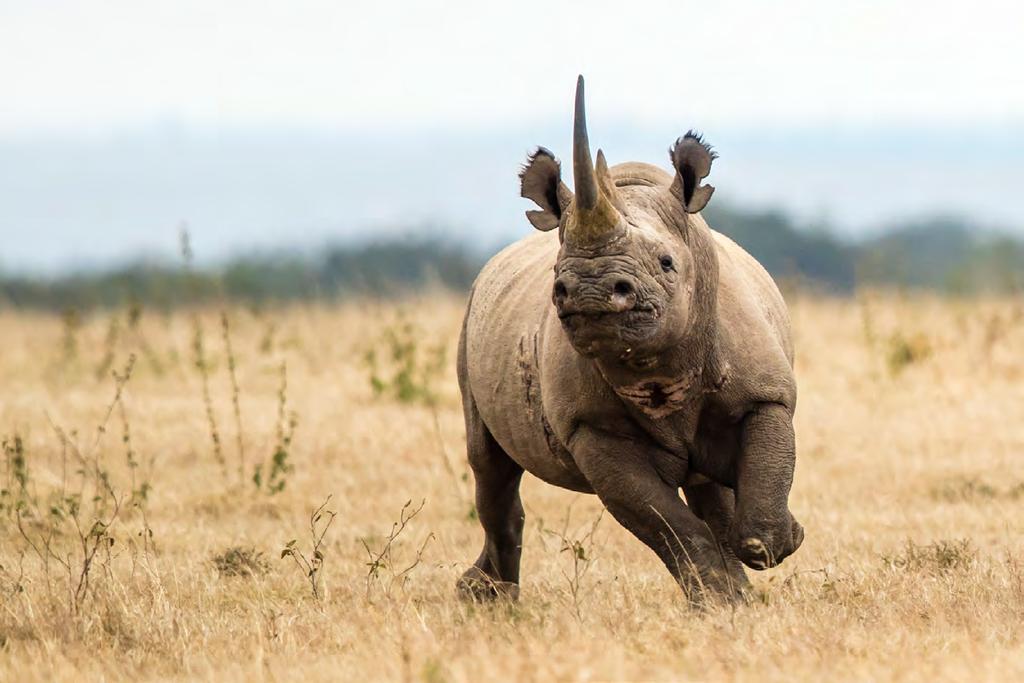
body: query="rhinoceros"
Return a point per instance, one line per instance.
(628, 350)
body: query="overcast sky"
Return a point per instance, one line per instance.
(81, 72)
(113, 63)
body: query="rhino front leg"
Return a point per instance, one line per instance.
(622, 474)
(500, 510)
(764, 532)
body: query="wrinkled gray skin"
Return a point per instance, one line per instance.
(628, 350)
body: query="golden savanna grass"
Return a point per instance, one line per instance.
(910, 430)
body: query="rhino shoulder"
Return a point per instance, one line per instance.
(754, 330)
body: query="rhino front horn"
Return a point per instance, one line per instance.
(594, 218)
(582, 166)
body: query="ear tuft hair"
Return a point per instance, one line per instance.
(698, 137)
(541, 151)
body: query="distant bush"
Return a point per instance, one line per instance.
(904, 351)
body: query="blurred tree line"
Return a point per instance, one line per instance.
(947, 255)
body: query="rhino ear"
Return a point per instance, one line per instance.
(541, 182)
(692, 158)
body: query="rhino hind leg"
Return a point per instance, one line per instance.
(715, 505)
(495, 574)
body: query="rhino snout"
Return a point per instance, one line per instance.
(614, 294)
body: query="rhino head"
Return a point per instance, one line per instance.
(630, 274)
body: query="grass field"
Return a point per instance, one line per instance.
(910, 484)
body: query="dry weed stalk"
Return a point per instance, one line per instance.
(109, 347)
(580, 547)
(201, 365)
(382, 561)
(90, 538)
(320, 521)
(235, 393)
(199, 357)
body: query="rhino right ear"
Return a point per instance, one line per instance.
(541, 182)
(692, 158)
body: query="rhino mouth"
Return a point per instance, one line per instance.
(586, 316)
(592, 329)
(594, 332)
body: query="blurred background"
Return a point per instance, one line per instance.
(321, 149)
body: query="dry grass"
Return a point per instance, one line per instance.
(909, 482)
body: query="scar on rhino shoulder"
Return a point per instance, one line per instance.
(527, 363)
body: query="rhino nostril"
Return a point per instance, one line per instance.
(560, 291)
(623, 288)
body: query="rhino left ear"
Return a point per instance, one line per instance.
(541, 182)
(692, 158)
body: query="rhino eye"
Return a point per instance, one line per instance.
(666, 263)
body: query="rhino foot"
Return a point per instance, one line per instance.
(756, 554)
(715, 588)
(476, 586)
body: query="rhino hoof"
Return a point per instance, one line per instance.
(755, 554)
(476, 586)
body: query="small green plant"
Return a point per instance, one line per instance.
(277, 470)
(405, 370)
(140, 479)
(382, 569)
(14, 496)
(579, 544)
(12, 584)
(90, 538)
(320, 521)
(70, 530)
(904, 351)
